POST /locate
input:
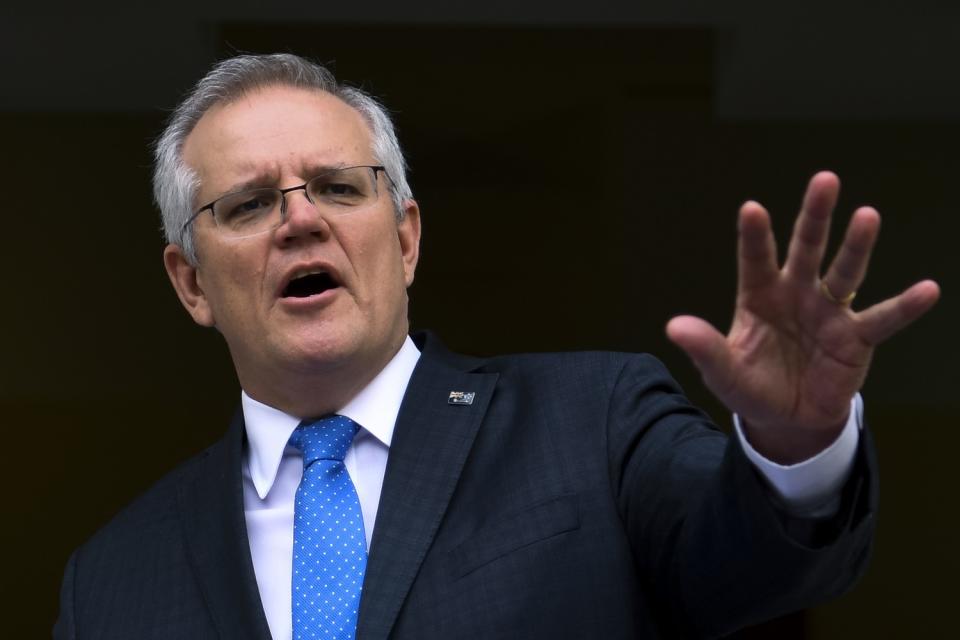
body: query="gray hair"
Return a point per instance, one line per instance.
(175, 184)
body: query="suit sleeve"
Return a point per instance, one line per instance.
(709, 540)
(64, 628)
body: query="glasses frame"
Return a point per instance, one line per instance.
(377, 168)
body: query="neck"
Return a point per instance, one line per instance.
(315, 390)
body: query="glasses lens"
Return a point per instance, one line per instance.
(344, 190)
(248, 212)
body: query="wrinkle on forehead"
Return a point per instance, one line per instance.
(274, 175)
(240, 144)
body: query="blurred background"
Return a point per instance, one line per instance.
(579, 167)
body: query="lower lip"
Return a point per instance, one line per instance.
(310, 302)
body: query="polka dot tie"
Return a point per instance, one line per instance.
(329, 546)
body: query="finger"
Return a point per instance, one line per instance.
(809, 239)
(757, 250)
(849, 267)
(886, 318)
(708, 349)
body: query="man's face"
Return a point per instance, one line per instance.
(281, 137)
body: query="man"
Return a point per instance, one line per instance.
(553, 495)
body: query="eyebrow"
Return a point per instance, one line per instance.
(268, 179)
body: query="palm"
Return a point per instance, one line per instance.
(786, 344)
(793, 358)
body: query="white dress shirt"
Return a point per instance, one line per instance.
(272, 471)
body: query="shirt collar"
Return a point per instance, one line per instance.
(375, 409)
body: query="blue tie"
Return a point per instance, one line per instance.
(329, 546)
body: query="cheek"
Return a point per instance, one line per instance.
(375, 258)
(388, 272)
(232, 290)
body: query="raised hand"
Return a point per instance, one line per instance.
(796, 352)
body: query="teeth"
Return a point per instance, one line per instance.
(306, 272)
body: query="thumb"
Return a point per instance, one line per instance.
(708, 349)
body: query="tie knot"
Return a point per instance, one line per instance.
(325, 439)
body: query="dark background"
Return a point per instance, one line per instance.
(579, 167)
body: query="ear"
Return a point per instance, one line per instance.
(409, 231)
(183, 277)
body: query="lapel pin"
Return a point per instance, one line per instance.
(461, 397)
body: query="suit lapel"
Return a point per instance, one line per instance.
(430, 444)
(211, 505)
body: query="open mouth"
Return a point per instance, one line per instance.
(310, 284)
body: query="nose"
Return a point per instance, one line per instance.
(301, 217)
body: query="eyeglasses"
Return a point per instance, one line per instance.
(334, 192)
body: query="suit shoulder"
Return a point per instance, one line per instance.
(153, 508)
(605, 364)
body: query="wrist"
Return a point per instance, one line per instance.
(788, 445)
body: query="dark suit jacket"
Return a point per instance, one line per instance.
(578, 496)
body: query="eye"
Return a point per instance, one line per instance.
(244, 208)
(343, 188)
(337, 190)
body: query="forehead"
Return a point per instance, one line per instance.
(275, 133)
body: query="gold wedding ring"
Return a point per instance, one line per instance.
(844, 301)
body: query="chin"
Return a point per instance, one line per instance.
(327, 351)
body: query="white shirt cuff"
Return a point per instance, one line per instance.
(811, 488)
